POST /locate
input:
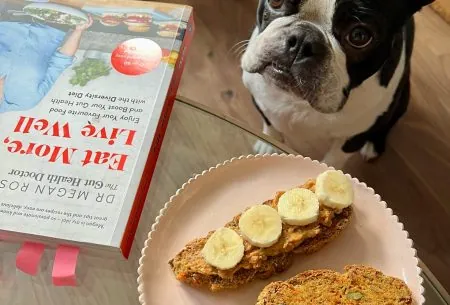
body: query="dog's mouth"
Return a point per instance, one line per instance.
(279, 69)
(278, 73)
(271, 66)
(284, 78)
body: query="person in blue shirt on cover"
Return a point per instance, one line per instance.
(32, 57)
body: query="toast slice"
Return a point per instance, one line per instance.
(190, 267)
(360, 285)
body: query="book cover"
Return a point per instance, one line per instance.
(86, 90)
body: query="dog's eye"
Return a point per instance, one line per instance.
(359, 37)
(276, 3)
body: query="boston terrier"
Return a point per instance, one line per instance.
(331, 70)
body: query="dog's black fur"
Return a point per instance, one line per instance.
(378, 133)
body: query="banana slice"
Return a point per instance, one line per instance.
(298, 207)
(261, 226)
(224, 249)
(334, 189)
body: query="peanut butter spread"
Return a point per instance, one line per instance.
(254, 257)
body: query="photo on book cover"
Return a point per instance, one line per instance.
(81, 93)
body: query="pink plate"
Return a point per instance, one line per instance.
(206, 202)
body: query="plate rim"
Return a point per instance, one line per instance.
(162, 213)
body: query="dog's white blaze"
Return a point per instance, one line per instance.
(319, 12)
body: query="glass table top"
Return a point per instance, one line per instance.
(196, 139)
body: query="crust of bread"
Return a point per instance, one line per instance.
(358, 284)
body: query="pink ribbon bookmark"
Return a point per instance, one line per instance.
(64, 266)
(29, 257)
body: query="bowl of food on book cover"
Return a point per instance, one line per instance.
(170, 29)
(112, 19)
(138, 22)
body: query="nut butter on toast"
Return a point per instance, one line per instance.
(361, 285)
(190, 266)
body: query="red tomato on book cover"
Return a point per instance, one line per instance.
(136, 56)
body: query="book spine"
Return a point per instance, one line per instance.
(152, 158)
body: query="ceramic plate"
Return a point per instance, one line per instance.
(374, 237)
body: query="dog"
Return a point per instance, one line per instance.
(331, 70)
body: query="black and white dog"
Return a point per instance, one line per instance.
(332, 70)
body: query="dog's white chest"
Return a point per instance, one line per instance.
(296, 120)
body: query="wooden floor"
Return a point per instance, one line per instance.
(414, 174)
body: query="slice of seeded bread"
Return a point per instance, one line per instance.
(360, 285)
(190, 268)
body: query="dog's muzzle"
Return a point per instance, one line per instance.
(299, 60)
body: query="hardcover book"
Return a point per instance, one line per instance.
(86, 90)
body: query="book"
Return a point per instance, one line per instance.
(86, 91)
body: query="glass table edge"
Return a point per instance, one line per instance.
(439, 289)
(282, 147)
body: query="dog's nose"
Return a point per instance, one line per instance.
(305, 44)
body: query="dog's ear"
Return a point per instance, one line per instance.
(415, 5)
